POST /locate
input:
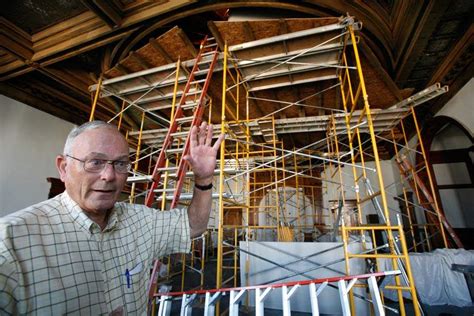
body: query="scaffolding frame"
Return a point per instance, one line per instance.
(249, 170)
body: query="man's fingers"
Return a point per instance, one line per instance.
(218, 142)
(202, 133)
(209, 135)
(194, 132)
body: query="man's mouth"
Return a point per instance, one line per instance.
(104, 191)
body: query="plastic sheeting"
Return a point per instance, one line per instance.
(435, 282)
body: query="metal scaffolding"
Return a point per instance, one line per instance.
(264, 191)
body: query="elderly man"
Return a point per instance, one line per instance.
(83, 252)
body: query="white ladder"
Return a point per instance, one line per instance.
(344, 285)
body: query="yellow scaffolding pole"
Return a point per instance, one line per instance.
(220, 232)
(96, 97)
(351, 100)
(137, 158)
(405, 197)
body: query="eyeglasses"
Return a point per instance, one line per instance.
(97, 165)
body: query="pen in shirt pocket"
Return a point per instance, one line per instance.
(128, 273)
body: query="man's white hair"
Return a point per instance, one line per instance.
(76, 131)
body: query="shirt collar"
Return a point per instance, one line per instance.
(78, 215)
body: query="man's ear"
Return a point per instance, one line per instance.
(61, 165)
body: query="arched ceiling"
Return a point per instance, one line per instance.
(51, 51)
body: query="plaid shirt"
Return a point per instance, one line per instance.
(54, 260)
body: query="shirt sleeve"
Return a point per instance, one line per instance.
(10, 290)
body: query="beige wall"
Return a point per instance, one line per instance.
(460, 107)
(457, 203)
(30, 140)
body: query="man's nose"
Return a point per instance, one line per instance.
(108, 173)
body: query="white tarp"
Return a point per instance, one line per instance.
(435, 281)
(305, 258)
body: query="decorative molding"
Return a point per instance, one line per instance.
(15, 41)
(84, 32)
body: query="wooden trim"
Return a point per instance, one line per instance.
(106, 11)
(13, 65)
(69, 39)
(187, 42)
(156, 9)
(450, 155)
(428, 20)
(463, 44)
(404, 25)
(15, 41)
(83, 29)
(455, 186)
(217, 35)
(87, 47)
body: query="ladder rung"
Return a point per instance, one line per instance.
(139, 179)
(198, 81)
(184, 119)
(193, 92)
(207, 54)
(164, 169)
(229, 267)
(210, 45)
(174, 150)
(168, 190)
(397, 287)
(185, 106)
(177, 134)
(188, 106)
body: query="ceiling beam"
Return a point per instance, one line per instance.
(217, 35)
(156, 46)
(15, 41)
(82, 33)
(139, 60)
(13, 69)
(420, 38)
(106, 11)
(457, 54)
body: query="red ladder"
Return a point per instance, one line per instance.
(405, 169)
(206, 49)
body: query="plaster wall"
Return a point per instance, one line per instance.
(460, 107)
(30, 140)
(457, 203)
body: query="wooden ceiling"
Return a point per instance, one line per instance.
(52, 51)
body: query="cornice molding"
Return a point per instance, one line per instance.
(15, 41)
